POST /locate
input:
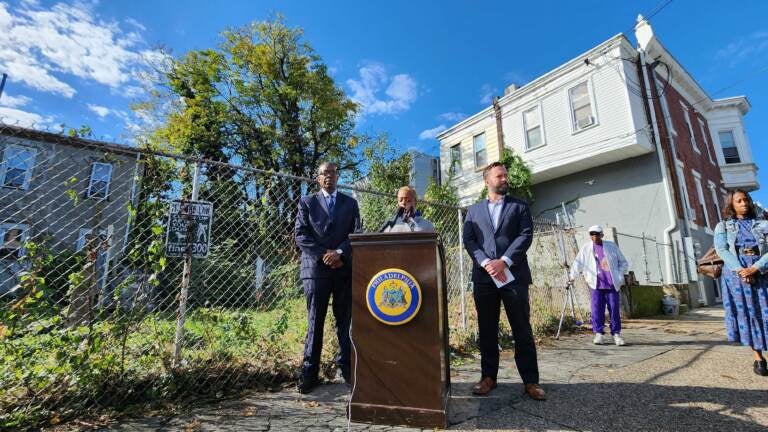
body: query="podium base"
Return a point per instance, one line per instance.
(394, 416)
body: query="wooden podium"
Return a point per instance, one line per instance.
(401, 373)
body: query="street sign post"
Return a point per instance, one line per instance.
(189, 229)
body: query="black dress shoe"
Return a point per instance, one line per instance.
(306, 385)
(761, 368)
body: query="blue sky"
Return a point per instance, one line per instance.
(417, 66)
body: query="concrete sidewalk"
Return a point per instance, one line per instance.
(673, 375)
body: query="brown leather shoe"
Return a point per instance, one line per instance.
(535, 392)
(484, 386)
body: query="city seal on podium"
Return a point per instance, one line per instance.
(393, 296)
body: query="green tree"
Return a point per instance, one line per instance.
(518, 174)
(263, 97)
(438, 208)
(387, 172)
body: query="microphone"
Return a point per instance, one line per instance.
(408, 218)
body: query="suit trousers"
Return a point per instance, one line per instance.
(488, 300)
(318, 292)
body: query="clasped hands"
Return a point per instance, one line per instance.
(495, 268)
(332, 259)
(748, 274)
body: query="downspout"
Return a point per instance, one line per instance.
(667, 233)
(499, 130)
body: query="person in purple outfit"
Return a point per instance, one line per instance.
(603, 266)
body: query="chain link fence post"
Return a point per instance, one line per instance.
(185, 278)
(462, 282)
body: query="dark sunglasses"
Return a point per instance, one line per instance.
(593, 233)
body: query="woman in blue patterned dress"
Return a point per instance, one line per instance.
(740, 240)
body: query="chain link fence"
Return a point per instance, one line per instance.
(90, 316)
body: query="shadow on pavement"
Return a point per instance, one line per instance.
(614, 407)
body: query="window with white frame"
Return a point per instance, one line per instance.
(13, 236)
(706, 141)
(690, 128)
(702, 207)
(716, 200)
(478, 143)
(582, 112)
(724, 194)
(455, 166)
(85, 235)
(18, 163)
(101, 176)
(687, 207)
(665, 107)
(534, 130)
(728, 144)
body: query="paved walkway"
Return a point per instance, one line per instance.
(674, 375)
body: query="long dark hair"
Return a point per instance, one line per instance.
(730, 213)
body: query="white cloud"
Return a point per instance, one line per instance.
(432, 133)
(101, 111)
(452, 116)
(18, 117)
(487, 92)
(41, 46)
(399, 91)
(136, 24)
(744, 48)
(13, 101)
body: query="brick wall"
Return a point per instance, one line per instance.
(703, 161)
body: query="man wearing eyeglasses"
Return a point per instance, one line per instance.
(324, 222)
(603, 266)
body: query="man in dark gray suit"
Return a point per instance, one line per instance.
(323, 223)
(497, 234)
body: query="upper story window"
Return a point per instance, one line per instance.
(478, 144)
(455, 167)
(101, 176)
(728, 144)
(17, 166)
(534, 131)
(86, 237)
(702, 204)
(690, 128)
(582, 112)
(706, 141)
(716, 201)
(12, 236)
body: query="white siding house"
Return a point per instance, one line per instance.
(621, 136)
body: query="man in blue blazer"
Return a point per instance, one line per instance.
(497, 234)
(323, 223)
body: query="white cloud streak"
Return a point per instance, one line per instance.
(378, 93)
(41, 47)
(744, 48)
(22, 118)
(432, 133)
(100, 111)
(452, 116)
(9, 101)
(487, 92)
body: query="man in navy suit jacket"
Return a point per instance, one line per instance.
(497, 234)
(323, 223)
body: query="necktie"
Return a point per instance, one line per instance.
(331, 203)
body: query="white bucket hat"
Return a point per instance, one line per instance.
(595, 228)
